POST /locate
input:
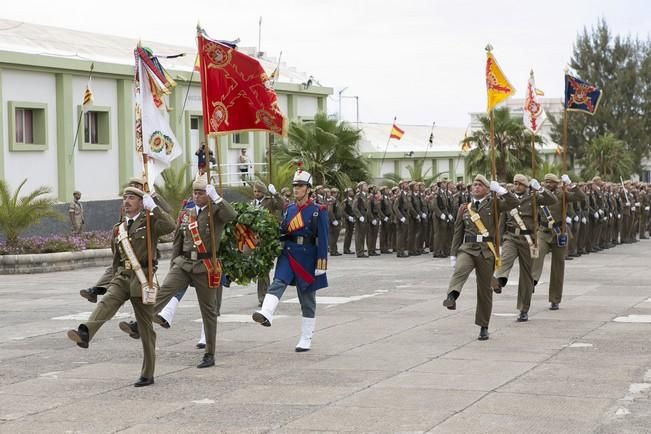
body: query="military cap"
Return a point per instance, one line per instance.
(483, 180)
(360, 183)
(552, 177)
(347, 189)
(334, 190)
(394, 188)
(133, 190)
(136, 180)
(76, 192)
(199, 184)
(301, 177)
(259, 185)
(596, 178)
(521, 179)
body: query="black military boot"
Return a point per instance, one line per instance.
(483, 334)
(130, 328)
(79, 336)
(451, 301)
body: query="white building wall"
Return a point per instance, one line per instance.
(306, 106)
(98, 169)
(39, 167)
(283, 103)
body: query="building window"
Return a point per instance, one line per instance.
(27, 126)
(96, 129)
(194, 123)
(241, 138)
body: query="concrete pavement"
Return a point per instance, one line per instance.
(386, 357)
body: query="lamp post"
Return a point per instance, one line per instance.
(339, 112)
(356, 107)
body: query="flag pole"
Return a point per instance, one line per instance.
(563, 169)
(387, 145)
(74, 142)
(145, 171)
(429, 143)
(496, 215)
(269, 162)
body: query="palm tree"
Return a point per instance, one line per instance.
(174, 188)
(512, 145)
(328, 150)
(18, 214)
(606, 156)
(415, 174)
(281, 176)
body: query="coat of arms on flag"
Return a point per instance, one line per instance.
(581, 96)
(533, 113)
(498, 87)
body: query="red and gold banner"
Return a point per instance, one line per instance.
(236, 92)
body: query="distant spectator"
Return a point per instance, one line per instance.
(76, 213)
(243, 165)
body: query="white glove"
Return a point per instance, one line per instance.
(386, 219)
(319, 272)
(576, 218)
(453, 261)
(361, 219)
(351, 219)
(596, 215)
(584, 220)
(632, 208)
(402, 219)
(417, 218)
(534, 184)
(637, 203)
(619, 216)
(566, 180)
(212, 193)
(568, 220)
(601, 211)
(271, 189)
(148, 202)
(424, 216)
(374, 222)
(646, 208)
(335, 223)
(497, 188)
(443, 217)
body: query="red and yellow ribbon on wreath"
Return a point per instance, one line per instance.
(244, 237)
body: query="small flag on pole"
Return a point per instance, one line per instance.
(465, 144)
(396, 132)
(88, 98)
(559, 150)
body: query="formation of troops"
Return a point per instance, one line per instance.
(482, 227)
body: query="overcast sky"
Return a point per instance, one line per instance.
(422, 61)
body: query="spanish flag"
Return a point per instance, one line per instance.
(396, 132)
(88, 98)
(559, 150)
(498, 87)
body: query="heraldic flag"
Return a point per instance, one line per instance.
(498, 87)
(581, 96)
(236, 92)
(396, 132)
(157, 140)
(534, 115)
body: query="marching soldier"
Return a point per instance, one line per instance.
(414, 218)
(473, 248)
(387, 221)
(303, 261)
(401, 212)
(360, 209)
(375, 218)
(519, 242)
(269, 199)
(349, 216)
(550, 236)
(336, 217)
(130, 263)
(192, 264)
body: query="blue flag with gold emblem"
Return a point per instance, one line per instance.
(581, 96)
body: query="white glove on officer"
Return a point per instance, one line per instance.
(584, 220)
(443, 217)
(271, 189)
(601, 211)
(351, 219)
(319, 272)
(534, 184)
(374, 222)
(453, 261)
(424, 216)
(335, 223)
(402, 219)
(417, 218)
(212, 193)
(619, 216)
(386, 219)
(148, 202)
(576, 218)
(361, 219)
(497, 188)
(568, 220)
(646, 208)
(566, 180)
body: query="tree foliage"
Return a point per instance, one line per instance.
(19, 213)
(512, 145)
(607, 157)
(416, 173)
(174, 188)
(328, 150)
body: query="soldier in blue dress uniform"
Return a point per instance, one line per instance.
(303, 260)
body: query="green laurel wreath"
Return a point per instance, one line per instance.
(242, 267)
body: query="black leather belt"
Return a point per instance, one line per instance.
(518, 231)
(300, 240)
(189, 255)
(477, 239)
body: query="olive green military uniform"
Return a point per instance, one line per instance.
(360, 209)
(388, 226)
(188, 268)
(375, 218)
(473, 253)
(401, 212)
(336, 219)
(547, 242)
(349, 221)
(515, 245)
(76, 214)
(126, 286)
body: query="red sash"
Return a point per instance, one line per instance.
(214, 276)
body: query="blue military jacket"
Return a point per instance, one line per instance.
(304, 232)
